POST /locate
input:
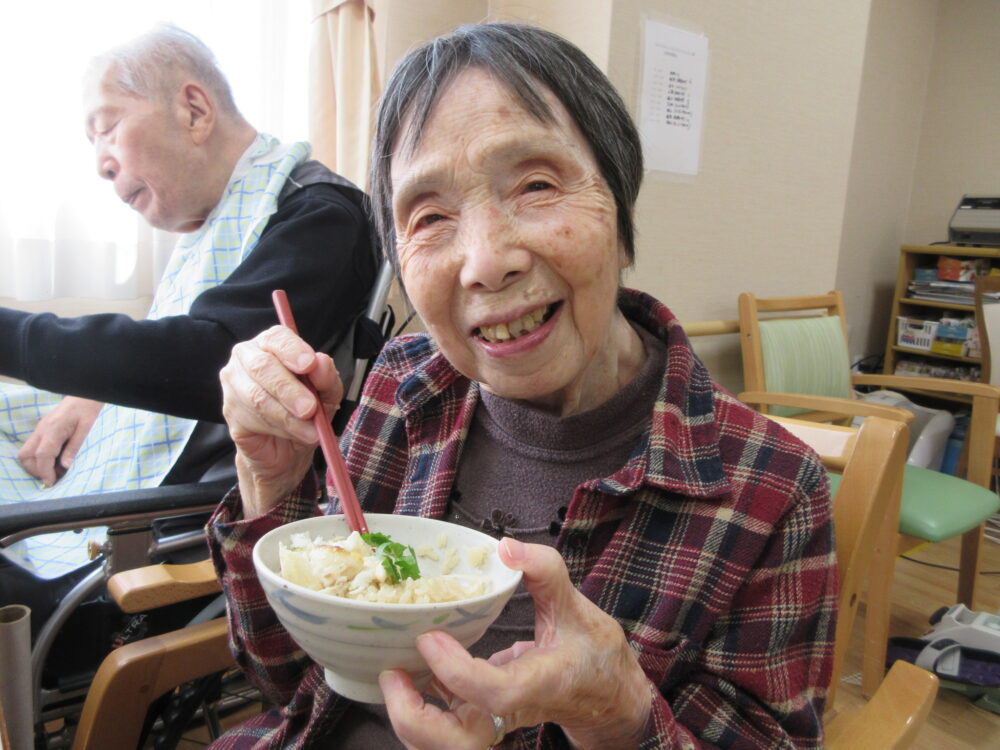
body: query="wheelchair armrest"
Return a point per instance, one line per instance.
(98, 510)
(152, 586)
(136, 674)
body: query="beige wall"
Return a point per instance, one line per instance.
(960, 140)
(402, 24)
(926, 135)
(766, 210)
(583, 22)
(764, 214)
(897, 65)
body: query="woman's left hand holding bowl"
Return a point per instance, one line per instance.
(579, 673)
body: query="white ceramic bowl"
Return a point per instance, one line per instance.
(355, 640)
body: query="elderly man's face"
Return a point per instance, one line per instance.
(508, 245)
(142, 147)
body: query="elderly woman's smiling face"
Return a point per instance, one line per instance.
(508, 248)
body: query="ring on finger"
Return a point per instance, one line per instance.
(499, 728)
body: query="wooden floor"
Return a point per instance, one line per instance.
(955, 723)
(918, 590)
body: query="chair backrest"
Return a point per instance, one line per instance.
(370, 333)
(988, 326)
(795, 345)
(870, 462)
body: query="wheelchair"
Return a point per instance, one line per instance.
(74, 623)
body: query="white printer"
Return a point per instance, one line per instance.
(976, 221)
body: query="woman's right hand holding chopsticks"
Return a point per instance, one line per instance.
(269, 413)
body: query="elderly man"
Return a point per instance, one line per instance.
(255, 215)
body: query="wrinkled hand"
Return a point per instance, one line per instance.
(52, 446)
(579, 673)
(269, 412)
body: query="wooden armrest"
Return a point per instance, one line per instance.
(710, 327)
(138, 673)
(142, 589)
(836, 406)
(893, 717)
(945, 385)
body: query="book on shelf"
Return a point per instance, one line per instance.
(944, 298)
(948, 292)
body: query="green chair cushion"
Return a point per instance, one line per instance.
(938, 506)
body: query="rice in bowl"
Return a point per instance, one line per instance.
(350, 567)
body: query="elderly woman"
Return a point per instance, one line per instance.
(676, 547)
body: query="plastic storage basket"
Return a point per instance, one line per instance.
(916, 334)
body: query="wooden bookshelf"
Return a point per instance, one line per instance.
(912, 257)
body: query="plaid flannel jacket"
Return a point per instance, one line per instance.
(712, 547)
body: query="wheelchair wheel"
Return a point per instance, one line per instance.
(198, 706)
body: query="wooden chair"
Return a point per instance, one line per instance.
(776, 341)
(987, 302)
(4, 737)
(868, 462)
(138, 673)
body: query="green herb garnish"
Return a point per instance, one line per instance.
(399, 560)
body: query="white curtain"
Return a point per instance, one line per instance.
(63, 232)
(344, 85)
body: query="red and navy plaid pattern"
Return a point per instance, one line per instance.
(712, 546)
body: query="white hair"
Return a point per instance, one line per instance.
(152, 65)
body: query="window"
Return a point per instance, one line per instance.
(63, 232)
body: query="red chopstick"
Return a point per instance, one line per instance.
(336, 468)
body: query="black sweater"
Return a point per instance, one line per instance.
(317, 247)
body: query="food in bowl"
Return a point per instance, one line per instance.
(354, 640)
(373, 568)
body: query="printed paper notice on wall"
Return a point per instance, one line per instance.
(672, 99)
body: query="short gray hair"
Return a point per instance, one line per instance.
(520, 57)
(149, 65)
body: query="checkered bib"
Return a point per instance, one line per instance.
(130, 448)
